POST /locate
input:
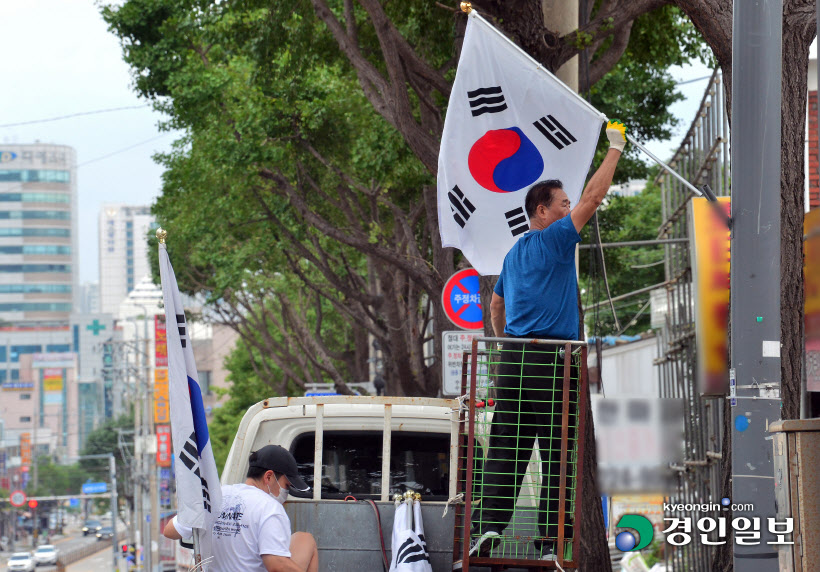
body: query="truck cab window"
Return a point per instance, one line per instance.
(352, 464)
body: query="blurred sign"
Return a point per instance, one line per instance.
(636, 438)
(3, 464)
(162, 405)
(160, 341)
(52, 386)
(94, 488)
(164, 446)
(17, 385)
(25, 449)
(811, 283)
(18, 498)
(710, 268)
(454, 344)
(63, 359)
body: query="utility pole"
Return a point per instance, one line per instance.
(112, 468)
(112, 475)
(755, 269)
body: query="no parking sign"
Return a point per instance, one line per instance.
(461, 299)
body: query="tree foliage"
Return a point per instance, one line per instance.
(104, 440)
(301, 199)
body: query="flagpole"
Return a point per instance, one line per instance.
(197, 552)
(471, 13)
(162, 234)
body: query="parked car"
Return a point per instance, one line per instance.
(45, 554)
(91, 527)
(21, 561)
(105, 533)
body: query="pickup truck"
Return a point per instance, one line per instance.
(350, 449)
(370, 448)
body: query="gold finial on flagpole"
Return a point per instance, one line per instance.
(466, 7)
(162, 234)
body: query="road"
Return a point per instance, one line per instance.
(99, 562)
(70, 543)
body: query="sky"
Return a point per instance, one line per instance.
(59, 59)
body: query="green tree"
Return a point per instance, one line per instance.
(56, 479)
(311, 182)
(246, 389)
(622, 219)
(103, 440)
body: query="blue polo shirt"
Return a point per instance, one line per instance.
(539, 284)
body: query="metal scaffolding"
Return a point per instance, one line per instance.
(702, 158)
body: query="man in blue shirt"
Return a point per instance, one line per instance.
(536, 297)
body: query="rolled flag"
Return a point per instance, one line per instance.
(199, 494)
(409, 549)
(509, 124)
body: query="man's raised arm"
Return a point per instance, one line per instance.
(600, 182)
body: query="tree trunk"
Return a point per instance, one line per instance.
(798, 32)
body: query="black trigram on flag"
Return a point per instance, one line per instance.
(412, 550)
(190, 458)
(460, 206)
(517, 221)
(181, 328)
(486, 100)
(556, 133)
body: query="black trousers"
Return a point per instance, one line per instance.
(528, 406)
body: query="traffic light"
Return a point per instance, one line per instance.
(32, 503)
(124, 549)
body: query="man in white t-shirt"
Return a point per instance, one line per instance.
(252, 531)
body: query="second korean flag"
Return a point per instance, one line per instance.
(508, 126)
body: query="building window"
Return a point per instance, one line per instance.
(204, 382)
(34, 289)
(58, 348)
(17, 268)
(25, 419)
(25, 396)
(35, 249)
(60, 232)
(26, 215)
(17, 351)
(15, 374)
(35, 307)
(34, 176)
(62, 198)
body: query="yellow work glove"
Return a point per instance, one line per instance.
(616, 133)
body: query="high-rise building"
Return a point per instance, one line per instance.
(123, 252)
(39, 273)
(88, 300)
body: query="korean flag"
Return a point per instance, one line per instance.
(509, 124)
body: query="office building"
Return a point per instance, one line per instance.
(123, 252)
(88, 301)
(38, 233)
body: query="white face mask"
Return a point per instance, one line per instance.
(282, 497)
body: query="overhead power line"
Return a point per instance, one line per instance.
(71, 115)
(123, 150)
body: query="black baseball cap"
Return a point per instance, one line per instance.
(278, 459)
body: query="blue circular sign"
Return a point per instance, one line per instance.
(461, 299)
